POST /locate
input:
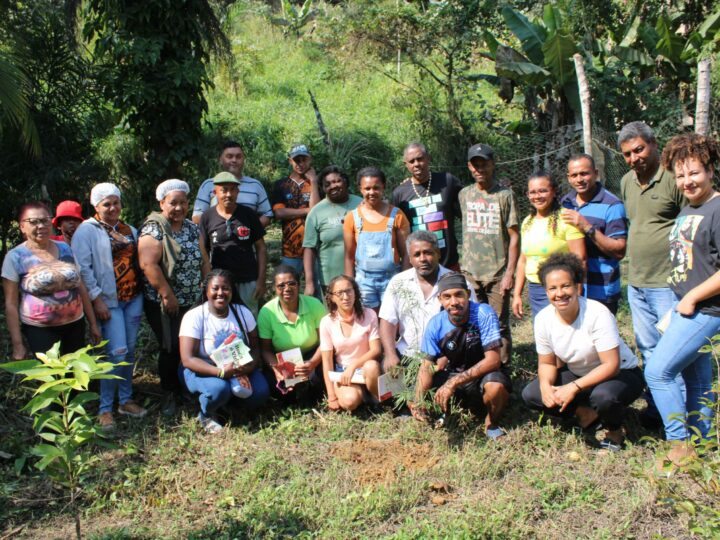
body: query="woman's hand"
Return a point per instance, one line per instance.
(333, 403)
(19, 352)
(304, 370)
(517, 306)
(687, 305)
(229, 370)
(346, 377)
(95, 334)
(102, 313)
(548, 397)
(170, 304)
(260, 290)
(565, 394)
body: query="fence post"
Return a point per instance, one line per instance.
(584, 91)
(702, 97)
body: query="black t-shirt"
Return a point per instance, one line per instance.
(695, 251)
(434, 212)
(231, 242)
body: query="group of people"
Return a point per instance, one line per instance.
(385, 282)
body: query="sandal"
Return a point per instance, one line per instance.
(612, 446)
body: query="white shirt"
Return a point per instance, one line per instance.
(405, 304)
(578, 344)
(202, 325)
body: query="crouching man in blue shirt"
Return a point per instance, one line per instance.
(461, 346)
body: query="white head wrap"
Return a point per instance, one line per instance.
(102, 191)
(170, 185)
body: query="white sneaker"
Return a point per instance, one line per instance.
(209, 424)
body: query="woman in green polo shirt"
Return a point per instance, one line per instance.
(288, 322)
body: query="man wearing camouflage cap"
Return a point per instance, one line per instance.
(491, 241)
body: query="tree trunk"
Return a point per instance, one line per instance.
(702, 106)
(584, 91)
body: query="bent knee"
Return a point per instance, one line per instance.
(371, 368)
(492, 390)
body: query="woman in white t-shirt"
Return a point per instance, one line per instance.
(349, 343)
(599, 375)
(204, 329)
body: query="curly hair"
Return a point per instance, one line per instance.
(332, 306)
(691, 145)
(554, 208)
(569, 262)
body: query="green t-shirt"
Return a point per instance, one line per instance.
(486, 218)
(274, 325)
(652, 212)
(324, 233)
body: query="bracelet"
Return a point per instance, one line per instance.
(578, 386)
(222, 373)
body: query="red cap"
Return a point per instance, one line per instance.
(67, 209)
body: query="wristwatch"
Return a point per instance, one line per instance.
(591, 232)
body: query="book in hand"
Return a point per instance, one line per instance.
(233, 350)
(357, 377)
(391, 384)
(287, 360)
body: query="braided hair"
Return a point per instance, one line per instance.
(554, 208)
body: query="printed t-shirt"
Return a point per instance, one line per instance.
(324, 233)
(463, 345)
(231, 243)
(695, 251)
(251, 194)
(49, 288)
(211, 331)
(606, 213)
(186, 277)
(287, 193)
(349, 348)
(652, 212)
(303, 333)
(487, 216)
(577, 344)
(405, 305)
(539, 242)
(124, 255)
(400, 223)
(434, 211)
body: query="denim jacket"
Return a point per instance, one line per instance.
(91, 247)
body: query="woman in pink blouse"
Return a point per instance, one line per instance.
(349, 343)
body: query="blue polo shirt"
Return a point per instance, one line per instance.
(607, 214)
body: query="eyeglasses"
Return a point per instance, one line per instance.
(285, 285)
(36, 222)
(345, 292)
(538, 192)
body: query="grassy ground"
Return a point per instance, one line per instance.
(307, 472)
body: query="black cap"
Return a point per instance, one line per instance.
(452, 280)
(483, 151)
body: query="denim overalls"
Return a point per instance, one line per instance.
(374, 260)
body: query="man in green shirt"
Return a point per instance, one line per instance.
(491, 241)
(652, 202)
(323, 238)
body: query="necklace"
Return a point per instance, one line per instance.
(427, 188)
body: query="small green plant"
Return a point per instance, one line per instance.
(700, 504)
(294, 18)
(60, 419)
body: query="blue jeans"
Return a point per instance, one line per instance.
(121, 331)
(372, 286)
(215, 392)
(677, 353)
(537, 297)
(647, 307)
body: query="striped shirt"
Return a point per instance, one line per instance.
(252, 194)
(606, 213)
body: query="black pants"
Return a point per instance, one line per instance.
(168, 360)
(471, 393)
(40, 339)
(608, 398)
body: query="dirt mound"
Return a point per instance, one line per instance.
(379, 461)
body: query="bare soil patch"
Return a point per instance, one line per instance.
(379, 461)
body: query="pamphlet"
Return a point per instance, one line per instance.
(287, 360)
(391, 384)
(357, 377)
(233, 350)
(664, 322)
